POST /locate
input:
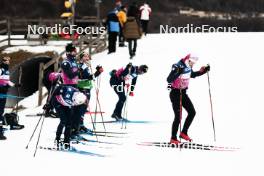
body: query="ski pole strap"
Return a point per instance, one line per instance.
(10, 96)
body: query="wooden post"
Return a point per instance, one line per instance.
(81, 42)
(9, 31)
(56, 65)
(41, 73)
(90, 46)
(41, 36)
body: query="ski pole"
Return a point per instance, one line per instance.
(36, 148)
(125, 109)
(98, 83)
(99, 104)
(34, 131)
(180, 108)
(212, 114)
(93, 123)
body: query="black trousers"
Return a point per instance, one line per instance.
(187, 105)
(112, 38)
(121, 38)
(3, 90)
(132, 46)
(66, 117)
(121, 101)
(144, 25)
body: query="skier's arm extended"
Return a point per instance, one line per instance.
(202, 71)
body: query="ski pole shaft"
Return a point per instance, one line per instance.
(180, 111)
(34, 131)
(36, 148)
(98, 102)
(210, 96)
(93, 124)
(125, 110)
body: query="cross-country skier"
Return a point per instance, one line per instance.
(70, 76)
(65, 99)
(178, 80)
(118, 83)
(85, 82)
(5, 83)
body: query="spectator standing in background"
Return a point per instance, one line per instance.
(122, 17)
(132, 31)
(145, 12)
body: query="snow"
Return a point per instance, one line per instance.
(236, 70)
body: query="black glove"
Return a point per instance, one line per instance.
(47, 107)
(99, 68)
(18, 85)
(207, 68)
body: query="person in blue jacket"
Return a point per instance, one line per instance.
(113, 28)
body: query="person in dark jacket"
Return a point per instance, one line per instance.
(65, 99)
(85, 83)
(132, 31)
(5, 83)
(120, 82)
(178, 80)
(113, 28)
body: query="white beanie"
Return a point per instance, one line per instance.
(194, 58)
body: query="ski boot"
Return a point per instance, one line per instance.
(116, 117)
(174, 141)
(185, 137)
(2, 137)
(16, 127)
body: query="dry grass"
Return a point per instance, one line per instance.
(21, 55)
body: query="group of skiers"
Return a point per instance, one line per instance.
(70, 89)
(127, 24)
(70, 92)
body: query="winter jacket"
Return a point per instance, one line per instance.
(131, 29)
(181, 80)
(122, 17)
(112, 22)
(85, 77)
(65, 95)
(5, 82)
(69, 73)
(145, 12)
(123, 74)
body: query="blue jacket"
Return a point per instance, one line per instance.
(112, 22)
